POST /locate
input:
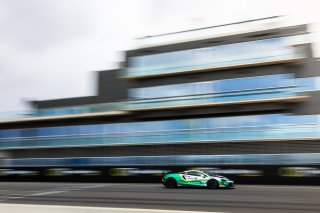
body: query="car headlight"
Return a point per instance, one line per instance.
(224, 181)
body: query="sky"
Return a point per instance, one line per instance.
(51, 49)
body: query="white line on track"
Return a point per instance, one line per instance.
(44, 193)
(278, 187)
(26, 208)
(75, 188)
(51, 191)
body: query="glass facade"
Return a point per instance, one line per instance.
(271, 86)
(221, 91)
(257, 127)
(229, 90)
(74, 110)
(17, 115)
(172, 160)
(245, 53)
(219, 86)
(105, 107)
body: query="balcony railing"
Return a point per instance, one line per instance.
(94, 108)
(63, 111)
(17, 115)
(262, 133)
(165, 160)
(214, 98)
(289, 54)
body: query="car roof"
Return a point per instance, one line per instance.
(192, 171)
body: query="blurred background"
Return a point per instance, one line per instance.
(126, 90)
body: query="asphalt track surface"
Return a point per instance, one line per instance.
(244, 198)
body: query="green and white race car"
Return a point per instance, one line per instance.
(195, 178)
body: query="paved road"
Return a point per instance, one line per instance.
(245, 198)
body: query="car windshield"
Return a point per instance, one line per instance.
(206, 175)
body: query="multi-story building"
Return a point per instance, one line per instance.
(240, 98)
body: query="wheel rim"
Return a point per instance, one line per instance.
(170, 183)
(212, 185)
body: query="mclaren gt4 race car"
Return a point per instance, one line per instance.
(194, 178)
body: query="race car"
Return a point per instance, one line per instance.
(195, 178)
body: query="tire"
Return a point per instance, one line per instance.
(171, 183)
(212, 184)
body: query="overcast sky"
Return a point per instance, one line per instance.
(50, 48)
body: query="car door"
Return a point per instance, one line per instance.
(194, 178)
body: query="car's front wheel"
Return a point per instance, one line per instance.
(171, 183)
(212, 184)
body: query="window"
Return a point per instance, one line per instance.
(12, 133)
(221, 128)
(228, 85)
(127, 127)
(306, 84)
(28, 132)
(206, 55)
(194, 173)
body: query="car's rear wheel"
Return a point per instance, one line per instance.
(171, 183)
(212, 184)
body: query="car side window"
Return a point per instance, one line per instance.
(183, 175)
(198, 174)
